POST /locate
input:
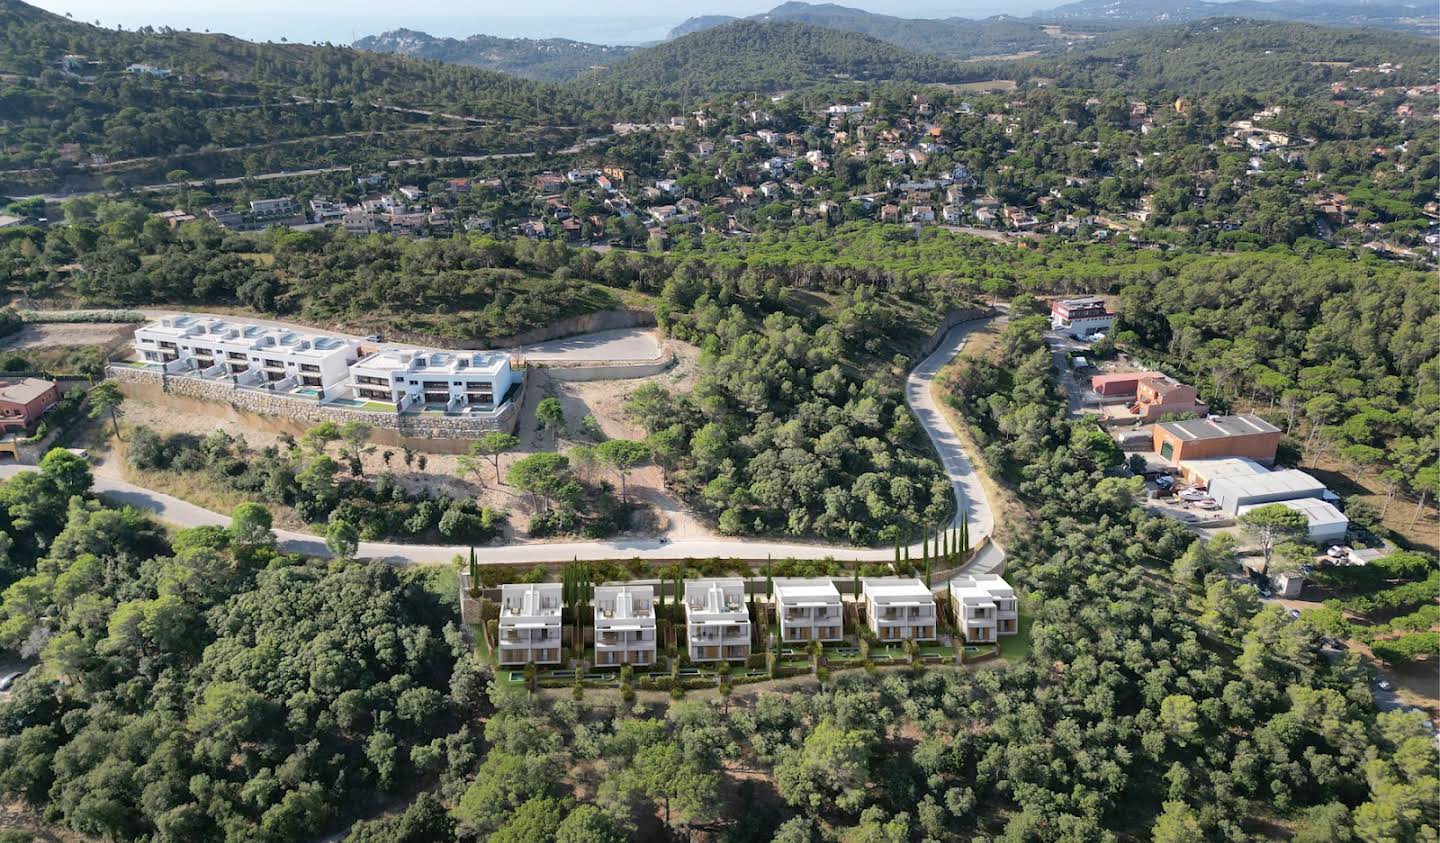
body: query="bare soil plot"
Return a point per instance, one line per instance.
(66, 334)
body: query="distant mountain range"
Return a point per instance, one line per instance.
(1414, 17)
(791, 43)
(545, 60)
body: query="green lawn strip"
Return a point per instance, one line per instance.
(1016, 647)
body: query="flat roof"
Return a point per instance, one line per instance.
(257, 337)
(423, 361)
(1271, 482)
(893, 589)
(1218, 467)
(1114, 377)
(1218, 427)
(1315, 510)
(807, 589)
(24, 390)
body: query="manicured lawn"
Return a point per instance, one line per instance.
(1017, 647)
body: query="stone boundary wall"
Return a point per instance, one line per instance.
(402, 426)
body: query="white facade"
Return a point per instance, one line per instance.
(899, 608)
(451, 379)
(1081, 317)
(249, 354)
(985, 607)
(530, 624)
(717, 623)
(809, 610)
(624, 625)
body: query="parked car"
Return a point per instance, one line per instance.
(1384, 684)
(1295, 613)
(8, 679)
(1266, 593)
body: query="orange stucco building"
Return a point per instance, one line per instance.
(1218, 436)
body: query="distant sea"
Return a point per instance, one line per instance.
(303, 27)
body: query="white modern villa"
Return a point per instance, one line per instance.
(985, 607)
(717, 623)
(899, 608)
(327, 370)
(809, 610)
(455, 381)
(282, 360)
(624, 625)
(529, 628)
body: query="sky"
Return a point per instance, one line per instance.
(343, 21)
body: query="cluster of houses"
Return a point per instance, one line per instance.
(326, 368)
(718, 619)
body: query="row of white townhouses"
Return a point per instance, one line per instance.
(717, 620)
(324, 367)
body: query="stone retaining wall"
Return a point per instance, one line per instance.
(389, 428)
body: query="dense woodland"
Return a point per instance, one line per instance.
(199, 685)
(1339, 348)
(1157, 702)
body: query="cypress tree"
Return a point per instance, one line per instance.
(769, 581)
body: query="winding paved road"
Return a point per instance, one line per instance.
(919, 394)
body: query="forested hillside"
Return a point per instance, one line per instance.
(953, 37)
(751, 56)
(203, 687)
(548, 59)
(216, 85)
(1237, 55)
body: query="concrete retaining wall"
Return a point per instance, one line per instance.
(603, 370)
(953, 318)
(445, 434)
(587, 323)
